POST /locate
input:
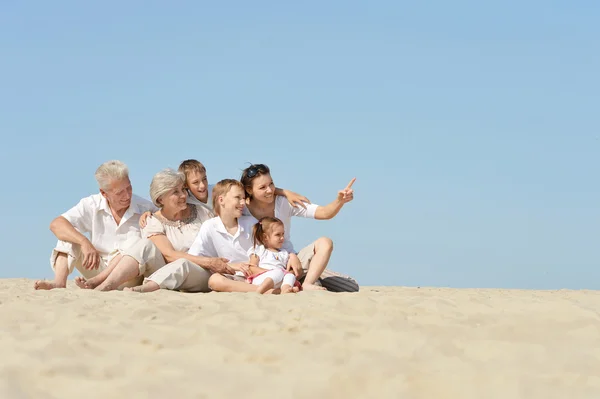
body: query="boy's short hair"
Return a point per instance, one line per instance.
(191, 165)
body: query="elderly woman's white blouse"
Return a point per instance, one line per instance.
(180, 233)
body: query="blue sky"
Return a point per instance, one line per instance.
(472, 127)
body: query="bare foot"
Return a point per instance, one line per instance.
(150, 286)
(312, 287)
(287, 289)
(265, 285)
(85, 284)
(105, 287)
(47, 285)
(295, 289)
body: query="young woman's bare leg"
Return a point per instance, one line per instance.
(323, 250)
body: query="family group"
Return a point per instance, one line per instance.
(192, 236)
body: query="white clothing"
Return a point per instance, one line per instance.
(276, 263)
(268, 259)
(280, 277)
(193, 200)
(214, 240)
(284, 211)
(182, 233)
(92, 215)
(182, 275)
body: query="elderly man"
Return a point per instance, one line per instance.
(111, 218)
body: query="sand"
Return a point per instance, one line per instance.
(389, 342)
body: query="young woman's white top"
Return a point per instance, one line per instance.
(214, 240)
(269, 259)
(284, 212)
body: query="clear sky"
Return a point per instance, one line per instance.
(472, 127)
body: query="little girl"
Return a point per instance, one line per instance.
(268, 262)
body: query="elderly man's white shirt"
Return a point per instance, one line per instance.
(214, 241)
(92, 215)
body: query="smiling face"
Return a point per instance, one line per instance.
(118, 194)
(174, 200)
(232, 202)
(275, 237)
(197, 183)
(263, 189)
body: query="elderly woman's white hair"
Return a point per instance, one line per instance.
(110, 171)
(163, 182)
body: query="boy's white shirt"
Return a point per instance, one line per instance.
(214, 241)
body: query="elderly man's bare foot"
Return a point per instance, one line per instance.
(85, 284)
(288, 289)
(47, 285)
(312, 287)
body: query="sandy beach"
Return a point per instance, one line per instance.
(390, 342)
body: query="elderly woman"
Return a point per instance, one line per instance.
(172, 231)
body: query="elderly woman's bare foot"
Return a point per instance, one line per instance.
(312, 287)
(85, 284)
(47, 285)
(150, 286)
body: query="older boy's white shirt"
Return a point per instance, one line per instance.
(193, 200)
(214, 241)
(92, 215)
(284, 212)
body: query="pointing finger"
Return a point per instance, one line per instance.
(351, 183)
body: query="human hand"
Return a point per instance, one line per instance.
(220, 265)
(143, 218)
(295, 266)
(242, 267)
(347, 194)
(91, 256)
(296, 199)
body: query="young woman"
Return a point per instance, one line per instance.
(313, 259)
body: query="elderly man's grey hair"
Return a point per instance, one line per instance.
(109, 172)
(163, 182)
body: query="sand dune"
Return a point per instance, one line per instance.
(387, 342)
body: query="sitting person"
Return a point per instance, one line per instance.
(171, 230)
(199, 191)
(312, 260)
(229, 235)
(110, 218)
(215, 241)
(268, 261)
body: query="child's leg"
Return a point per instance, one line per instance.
(268, 280)
(288, 283)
